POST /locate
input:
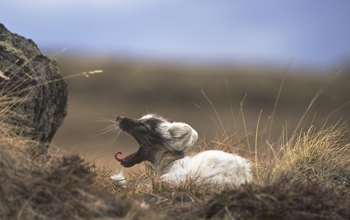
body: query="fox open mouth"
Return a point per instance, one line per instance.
(125, 159)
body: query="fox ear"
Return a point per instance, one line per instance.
(180, 136)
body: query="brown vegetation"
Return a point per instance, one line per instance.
(36, 186)
(297, 175)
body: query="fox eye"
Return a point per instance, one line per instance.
(143, 126)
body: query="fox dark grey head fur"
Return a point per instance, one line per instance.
(161, 142)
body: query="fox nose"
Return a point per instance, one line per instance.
(119, 118)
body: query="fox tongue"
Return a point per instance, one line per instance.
(125, 158)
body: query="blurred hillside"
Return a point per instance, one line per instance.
(134, 88)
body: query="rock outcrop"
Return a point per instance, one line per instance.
(32, 85)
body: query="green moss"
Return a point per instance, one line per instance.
(8, 47)
(58, 71)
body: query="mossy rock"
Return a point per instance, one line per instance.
(31, 76)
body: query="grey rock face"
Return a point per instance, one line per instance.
(32, 85)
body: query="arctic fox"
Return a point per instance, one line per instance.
(163, 144)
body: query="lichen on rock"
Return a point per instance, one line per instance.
(58, 71)
(8, 47)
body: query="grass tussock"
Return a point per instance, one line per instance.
(321, 155)
(37, 186)
(283, 199)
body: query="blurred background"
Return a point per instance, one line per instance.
(170, 57)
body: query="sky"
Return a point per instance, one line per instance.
(315, 32)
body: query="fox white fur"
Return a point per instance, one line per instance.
(119, 178)
(210, 167)
(214, 167)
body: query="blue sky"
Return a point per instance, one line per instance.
(267, 31)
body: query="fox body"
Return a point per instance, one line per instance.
(164, 143)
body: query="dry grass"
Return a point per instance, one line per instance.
(282, 199)
(302, 176)
(320, 155)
